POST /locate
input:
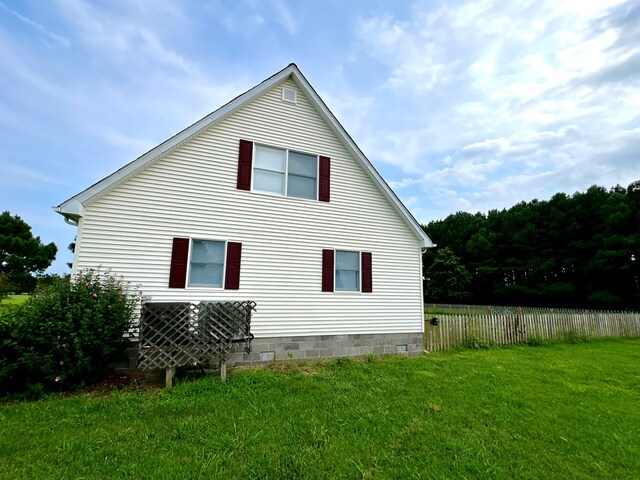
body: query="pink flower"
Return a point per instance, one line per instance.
(58, 378)
(94, 295)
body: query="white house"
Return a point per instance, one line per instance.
(265, 199)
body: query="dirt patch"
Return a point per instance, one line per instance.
(126, 381)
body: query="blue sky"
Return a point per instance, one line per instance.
(461, 105)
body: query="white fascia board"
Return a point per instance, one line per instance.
(339, 130)
(72, 208)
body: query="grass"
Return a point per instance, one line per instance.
(557, 411)
(13, 300)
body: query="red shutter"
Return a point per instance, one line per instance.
(179, 257)
(232, 273)
(327, 270)
(245, 155)
(325, 183)
(367, 277)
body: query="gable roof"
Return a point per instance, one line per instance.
(73, 208)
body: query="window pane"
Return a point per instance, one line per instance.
(347, 261)
(268, 181)
(301, 164)
(347, 271)
(207, 262)
(205, 251)
(347, 280)
(269, 158)
(301, 187)
(205, 275)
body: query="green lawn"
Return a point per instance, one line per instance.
(560, 411)
(13, 300)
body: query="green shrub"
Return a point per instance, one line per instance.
(66, 335)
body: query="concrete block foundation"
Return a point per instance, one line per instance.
(327, 346)
(310, 347)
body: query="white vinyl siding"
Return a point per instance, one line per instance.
(191, 192)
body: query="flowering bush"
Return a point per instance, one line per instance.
(66, 335)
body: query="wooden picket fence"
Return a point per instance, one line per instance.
(524, 326)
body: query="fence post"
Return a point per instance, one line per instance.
(223, 370)
(168, 376)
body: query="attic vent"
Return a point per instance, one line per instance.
(289, 95)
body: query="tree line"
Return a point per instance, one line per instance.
(580, 250)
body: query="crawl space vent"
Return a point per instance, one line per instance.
(267, 356)
(289, 95)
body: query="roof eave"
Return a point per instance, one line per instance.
(71, 207)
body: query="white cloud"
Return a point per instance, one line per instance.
(137, 79)
(410, 201)
(498, 173)
(285, 17)
(492, 145)
(41, 28)
(29, 178)
(412, 53)
(507, 100)
(117, 37)
(351, 110)
(113, 137)
(20, 68)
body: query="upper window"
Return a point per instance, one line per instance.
(285, 172)
(347, 271)
(206, 264)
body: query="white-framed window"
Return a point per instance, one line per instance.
(347, 271)
(206, 263)
(285, 172)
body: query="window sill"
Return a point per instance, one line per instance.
(276, 195)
